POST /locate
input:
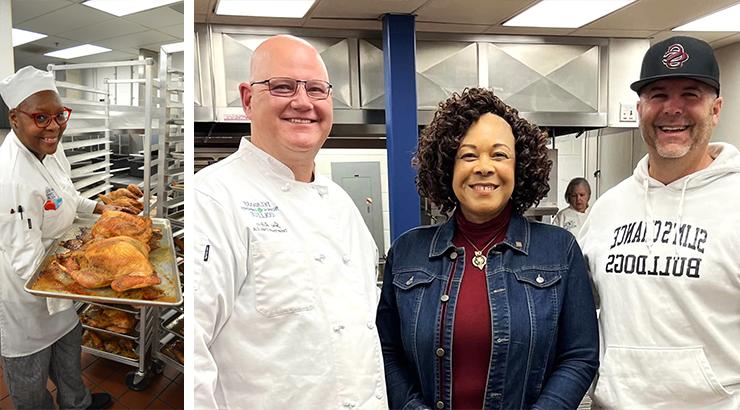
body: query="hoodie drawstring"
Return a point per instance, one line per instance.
(679, 215)
(649, 241)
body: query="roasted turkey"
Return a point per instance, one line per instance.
(127, 198)
(113, 320)
(120, 261)
(116, 223)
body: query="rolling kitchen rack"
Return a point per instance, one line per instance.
(86, 144)
(170, 192)
(86, 141)
(171, 156)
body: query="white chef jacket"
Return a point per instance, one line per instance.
(285, 292)
(26, 326)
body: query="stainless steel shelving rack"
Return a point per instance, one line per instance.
(144, 338)
(86, 141)
(170, 179)
(93, 142)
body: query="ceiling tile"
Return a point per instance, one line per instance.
(177, 30)
(256, 21)
(618, 33)
(162, 16)
(470, 11)
(103, 30)
(531, 31)
(201, 6)
(363, 9)
(450, 28)
(137, 40)
(23, 10)
(658, 15)
(708, 36)
(369, 24)
(735, 38)
(64, 20)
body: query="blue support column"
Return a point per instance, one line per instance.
(401, 123)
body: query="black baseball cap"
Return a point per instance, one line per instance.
(679, 56)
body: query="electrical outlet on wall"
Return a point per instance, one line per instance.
(627, 113)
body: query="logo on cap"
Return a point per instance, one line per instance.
(675, 56)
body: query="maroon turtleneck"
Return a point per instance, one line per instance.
(471, 337)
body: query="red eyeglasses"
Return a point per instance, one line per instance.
(43, 120)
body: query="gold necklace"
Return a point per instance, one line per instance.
(479, 260)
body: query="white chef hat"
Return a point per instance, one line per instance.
(25, 82)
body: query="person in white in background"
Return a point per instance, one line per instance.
(39, 338)
(572, 217)
(662, 247)
(285, 268)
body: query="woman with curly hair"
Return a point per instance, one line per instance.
(487, 310)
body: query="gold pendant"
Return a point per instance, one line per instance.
(479, 261)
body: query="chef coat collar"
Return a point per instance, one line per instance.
(279, 169)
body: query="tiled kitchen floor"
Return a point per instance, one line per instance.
(102, 375)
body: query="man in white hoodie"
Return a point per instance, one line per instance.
(662, 247)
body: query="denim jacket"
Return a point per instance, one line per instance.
(545, 346)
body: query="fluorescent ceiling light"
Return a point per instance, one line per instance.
(723, 20)
(565, 13)
(174, 47)
(125, 7)
(23, 36)
(79, 51)
(264, 8)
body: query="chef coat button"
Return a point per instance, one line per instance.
(453, 255)
(345, 258)
(440, 352)
(379, 396)
(444, 298)
(440, 404)
(285, 188)
(320, 257)
(539, 279)
(370, 325)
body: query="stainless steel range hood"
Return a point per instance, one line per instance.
(552, 81)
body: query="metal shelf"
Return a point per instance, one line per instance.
(74, 159)
(84, 143)
(83, 131)
(75, 101)
(84, 170)
(96, 190)
(87, 181)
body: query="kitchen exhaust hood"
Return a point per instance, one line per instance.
(555, 82)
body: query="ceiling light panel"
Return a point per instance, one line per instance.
(264, 8)
(79, 51)
(565, 13)
(723, 20)
(23, 36)
(125, 7)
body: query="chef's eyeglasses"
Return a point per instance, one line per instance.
(43, 120)
(287, 87)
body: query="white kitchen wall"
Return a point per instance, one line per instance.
(728, 129)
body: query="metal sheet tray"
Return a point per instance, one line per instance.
(163, 259)
(171, 325)
(134, 335)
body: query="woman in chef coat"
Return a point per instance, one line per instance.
(39, 338)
